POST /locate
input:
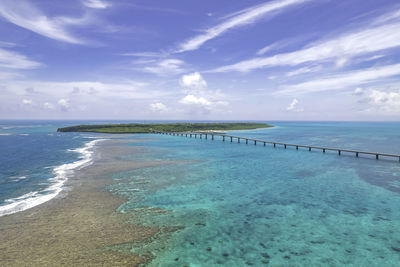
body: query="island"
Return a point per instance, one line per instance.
(163, 127)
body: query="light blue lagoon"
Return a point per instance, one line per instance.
(246, 205)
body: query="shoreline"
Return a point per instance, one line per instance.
(78, 225)
(62, 173)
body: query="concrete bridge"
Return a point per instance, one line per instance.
(232, 138)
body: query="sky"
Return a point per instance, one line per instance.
(322, 60)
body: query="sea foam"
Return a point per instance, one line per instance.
(61, 175)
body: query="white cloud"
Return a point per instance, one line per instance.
(64, 103)
(27, 16)
(7, 75)
(344, 80)
(203, 102)
(48, 105)
(143, 61)
(277, 45)
(7, 44)
(358, 91)
(390, 16)
(193, 82)
(380, 101)
(388, 102)
(338, 49)
(166, 67)
(292, 105)
(144, 54)
(96, 4)
(27, 101)
(303, 71)
(158, 107)
(241, 18)
(14, 60)
(265, 49)
(340, 62)
(193, 100)
(198, 94)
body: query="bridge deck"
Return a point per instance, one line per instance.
(339, 150)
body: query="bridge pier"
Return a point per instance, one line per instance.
(247, 141)
(377, 156)
(223, 138)
(323, 150)
(255, 142)
(238, 140)
(206, 136)
(212, 137)
(309, 148)
(201, 136)
(339, 152)
(357, 154)
(231, 139)
(264, 143)
(274, 145)
(284, 146)
(297, 147)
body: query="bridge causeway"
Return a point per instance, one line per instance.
(231, 138)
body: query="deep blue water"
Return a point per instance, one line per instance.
(246, 205)
(35, 161)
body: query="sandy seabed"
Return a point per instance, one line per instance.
(77, 227)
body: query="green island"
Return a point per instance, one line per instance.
(163, 127)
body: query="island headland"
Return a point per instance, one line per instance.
(163, 127)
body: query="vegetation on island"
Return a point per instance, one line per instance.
(163, 127)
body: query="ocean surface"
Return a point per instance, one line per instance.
(236, 204)
(36, 161)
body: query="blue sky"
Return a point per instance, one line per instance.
(221, 60)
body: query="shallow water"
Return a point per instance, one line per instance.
(246, 205)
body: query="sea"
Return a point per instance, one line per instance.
(235, 204)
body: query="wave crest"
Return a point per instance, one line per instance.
(62, 173)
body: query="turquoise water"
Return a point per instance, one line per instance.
(246, 205)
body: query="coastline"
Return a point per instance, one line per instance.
(77, 226)
(61, 175)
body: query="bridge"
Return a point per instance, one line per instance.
(231, 138)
